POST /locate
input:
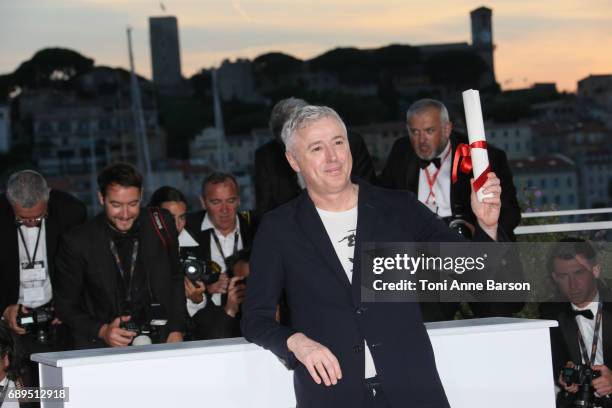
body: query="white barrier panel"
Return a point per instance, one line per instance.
(499, 362)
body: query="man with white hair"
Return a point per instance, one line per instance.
(345, 352)
(32, 218)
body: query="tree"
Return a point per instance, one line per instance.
(455, 69)
(51, 66)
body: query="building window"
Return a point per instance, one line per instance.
(529, 183)
(543, 183)
(556, 182)
(558, 199)
(569, 182)
(570, 199)
(544, 200)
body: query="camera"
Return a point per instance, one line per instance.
(150, 327)
(197, 269)
(582, 375)
(37, 321)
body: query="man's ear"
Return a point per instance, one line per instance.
(597, 271)
(292, 162)
(448, 128)
(202, 202)
(101, 199)
(554, 277)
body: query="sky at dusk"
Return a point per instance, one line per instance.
(537, 41)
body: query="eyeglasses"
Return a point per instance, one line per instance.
(30, 221)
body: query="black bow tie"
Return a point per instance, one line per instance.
(424, 163)
(586, 313)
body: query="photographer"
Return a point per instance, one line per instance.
(119, 276)
(224, 236)
(10, 364)
(581, 344)
(32, 218)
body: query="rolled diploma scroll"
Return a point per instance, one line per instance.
(476, 132)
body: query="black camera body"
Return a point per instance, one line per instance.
(150, 327)
(460, 225)
(37, 321)
(582, 375)
(197, 269)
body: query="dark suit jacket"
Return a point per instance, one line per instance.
(564, 339)
(292, 252)
(85, 287)
(276, 182)
(64, 212)
(402, 172)
(212, 322)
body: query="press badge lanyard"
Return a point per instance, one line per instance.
(588, 361)
(219, 244)
(431, 180)
(113, 249)
(32, 259)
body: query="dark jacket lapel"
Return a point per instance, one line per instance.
(313, 228)
(569, 328)
(367, 216)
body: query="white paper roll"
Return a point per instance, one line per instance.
(476, 132)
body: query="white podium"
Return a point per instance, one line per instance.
(499, 362)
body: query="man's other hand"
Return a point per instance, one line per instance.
(195, 293)
(220, 286)
(235, 295)
(10, 315)
(603, 383)
(319, 361)
(569, 388)
(174, 337)
(115, 336)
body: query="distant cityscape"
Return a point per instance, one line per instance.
(68, 118)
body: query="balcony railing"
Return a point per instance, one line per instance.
(564, 227)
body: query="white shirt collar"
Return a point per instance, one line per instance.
(591, 306)
(207, 224)
(186, 240)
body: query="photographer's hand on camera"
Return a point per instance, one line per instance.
(10, 315)
(194, 292)
(241, 268)
(114, 335)
(174, 337)
(603, 383)
(220, 286)
(235, 295)
(569, 388)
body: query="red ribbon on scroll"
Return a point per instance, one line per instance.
(463, 161)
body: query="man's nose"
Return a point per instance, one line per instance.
(330, 154)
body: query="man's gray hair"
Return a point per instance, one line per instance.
(425, 104)
(281, 112)
(27, 188)
(305, 116)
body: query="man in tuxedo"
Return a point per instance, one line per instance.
(574, 267)
(345, 352)
(275, 181)
(422, 162)
(121, 267)
(224, 236)
(32, 218)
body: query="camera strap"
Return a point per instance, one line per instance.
(31, 259)
(117, 259)
(218, 243)
(596, 331)
(3, 391)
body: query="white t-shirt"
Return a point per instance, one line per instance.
(341, 228)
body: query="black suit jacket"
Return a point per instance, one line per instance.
(64, 212)
(85, 285)
(402, 172)
(564, 339)
(276, 182)
(212, 322)
(293, 252)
